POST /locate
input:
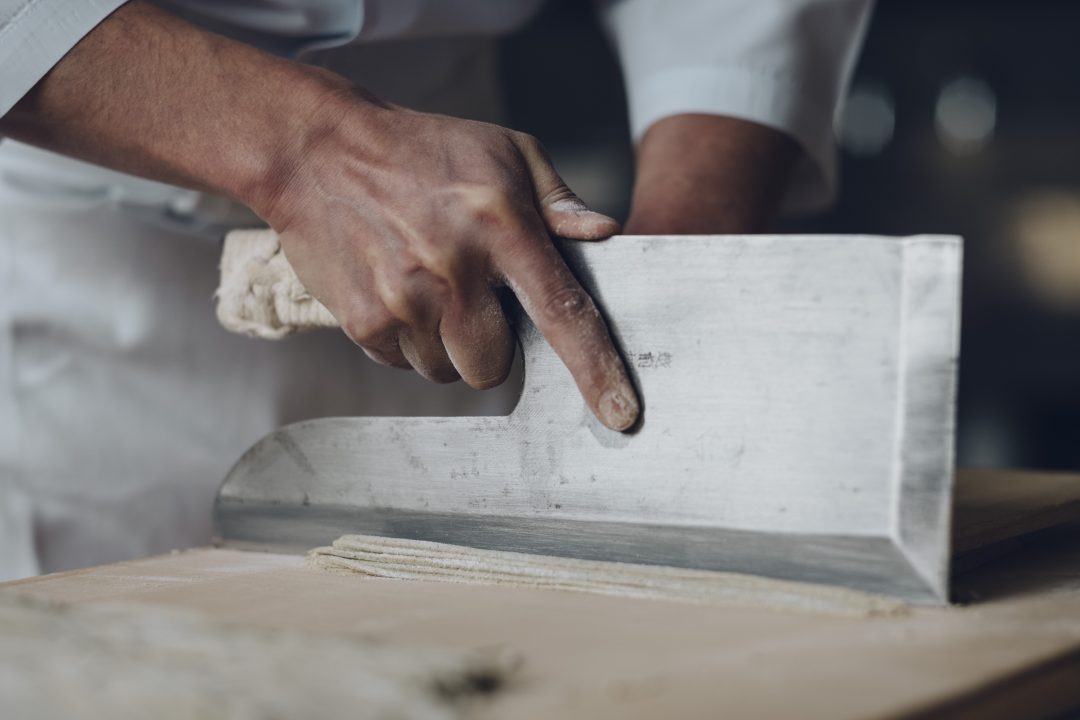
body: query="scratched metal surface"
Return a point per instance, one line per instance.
(799, 398)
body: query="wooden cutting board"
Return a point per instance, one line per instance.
(1014, 653)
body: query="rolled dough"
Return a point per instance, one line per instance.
(421, 560)
(116, 662)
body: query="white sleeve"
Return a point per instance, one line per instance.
(780, 63)
(36, 34)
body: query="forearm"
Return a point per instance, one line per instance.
(152, 95)
(404, 225)
(708, 174)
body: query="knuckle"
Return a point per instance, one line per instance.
(529, 142)
(534, 151)
(562, 198)
(566, 303)
(399, 299)
(367, 328)
(443, 259)
(407, 300)
(487, 205)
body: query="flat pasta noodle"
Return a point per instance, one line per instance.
(406, 559)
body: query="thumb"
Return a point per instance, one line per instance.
(564, 213)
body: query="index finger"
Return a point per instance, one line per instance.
(568, 319)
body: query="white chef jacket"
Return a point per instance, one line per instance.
(121, 404)
(781, 63)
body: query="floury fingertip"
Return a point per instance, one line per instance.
(619, 409)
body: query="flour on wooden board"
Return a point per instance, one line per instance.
(114, 662)
(420, 560)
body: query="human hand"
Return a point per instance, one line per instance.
(407, 225)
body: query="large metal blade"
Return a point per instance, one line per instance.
(798, 423)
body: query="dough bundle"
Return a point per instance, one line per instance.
(421, 560)
(260, 294)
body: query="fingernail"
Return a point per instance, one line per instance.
(618, 410)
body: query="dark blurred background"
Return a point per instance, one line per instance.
(963, 118)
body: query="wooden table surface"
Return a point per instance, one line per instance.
(1014, 653)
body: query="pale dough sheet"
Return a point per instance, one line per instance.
(133, 662)
(260, 294)
(420, 560)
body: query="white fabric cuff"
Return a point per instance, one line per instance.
(754, 94)
(37, 35)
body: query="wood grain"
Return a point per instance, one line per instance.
(588, 656)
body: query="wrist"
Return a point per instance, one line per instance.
(293, 127)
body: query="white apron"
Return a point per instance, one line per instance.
(122, 403)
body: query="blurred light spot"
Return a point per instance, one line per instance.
(1046, 225)
(965, 115)
(869, 118)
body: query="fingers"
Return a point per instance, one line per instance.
(389, 355)
(416, 300)
(567, 317)
(435, 292)
(478, 340)
(425, 352)
(376, 332)
(473, 343)
(444, 329)
(397, 345)
(563, 212)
